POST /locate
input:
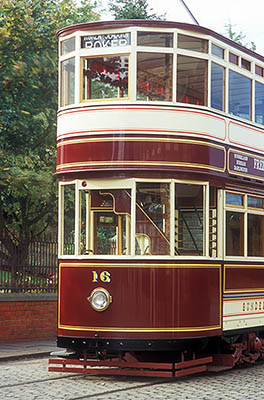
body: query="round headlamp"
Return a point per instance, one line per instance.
(100, 299)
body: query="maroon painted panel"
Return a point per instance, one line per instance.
(127, 154)
(151, 297)
(244, 278)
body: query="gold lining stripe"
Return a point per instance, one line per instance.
(140, 330)
(138, 163)
(139, 265)
(139, 139)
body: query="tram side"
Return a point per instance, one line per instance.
(161, 195)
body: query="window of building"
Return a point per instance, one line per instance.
(67, 46)
(154, 76)
(192, 80)
(192, 43)
(259, 103)
(155, 39)
(239, 95)
(217, 86)
(67, 82)
(218, 51)
(105, 77)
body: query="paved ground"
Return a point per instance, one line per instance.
(10, 351)
(29, 379)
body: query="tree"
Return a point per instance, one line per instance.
(132, 9)
(239, 37)
(28, 104)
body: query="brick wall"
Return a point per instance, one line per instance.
(25, 317)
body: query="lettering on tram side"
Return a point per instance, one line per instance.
(250, 306)
(104, 277)
(107, 40)
(245, 164)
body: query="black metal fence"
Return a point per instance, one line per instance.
(28, 264)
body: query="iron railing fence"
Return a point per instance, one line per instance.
(28, 264)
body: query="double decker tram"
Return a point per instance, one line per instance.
(161, 203)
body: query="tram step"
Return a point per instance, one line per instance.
(130, 368)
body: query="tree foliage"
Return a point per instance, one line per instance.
(132, 9)
(239, 37)
(28, 104)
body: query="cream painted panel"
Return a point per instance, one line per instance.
(141, 120)
(243, 313)
(242, 135)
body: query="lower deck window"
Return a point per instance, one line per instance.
(244, 225)
(169, 218)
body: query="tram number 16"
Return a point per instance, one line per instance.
(104, 276)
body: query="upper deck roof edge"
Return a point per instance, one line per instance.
(156, 24)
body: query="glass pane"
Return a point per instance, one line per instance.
(154, 76)
(217, 86)
(67, 46)
(259, 70)
(105, 77)
(233, 58)
(105, 222)
(155, 39)
(239, 95)
(255, 235)
(234, 233)
(153, 219)
(67, 82)
(255, 202)
(191, 80)
(245, 64)
(189, 219)
(218, 51)
(259, 103)
(192, 43)
(234, 199)
(68, 219)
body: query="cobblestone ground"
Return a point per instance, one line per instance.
(30, 379)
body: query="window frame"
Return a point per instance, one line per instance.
(81, 185)
(245, 210)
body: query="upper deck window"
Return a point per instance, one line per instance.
(105, 77)
(154, 76)
(239, 95)
(245, 64)
(155, 39)
(233, 58)
(259, 70)
(67, 82)
(192, 43)
(217, 86)
(67, 46)
(192, 80)
(259, 103)
(218, 51)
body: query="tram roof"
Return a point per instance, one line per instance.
(103, 25)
